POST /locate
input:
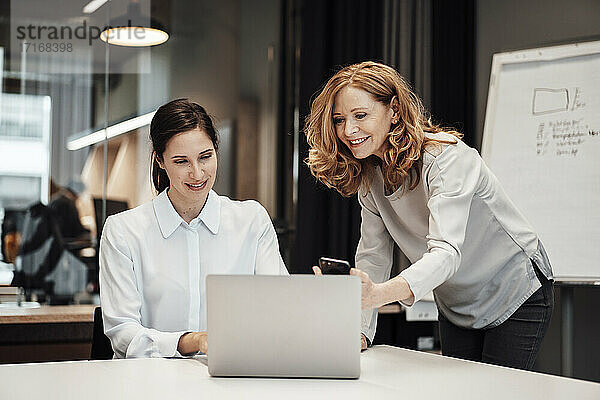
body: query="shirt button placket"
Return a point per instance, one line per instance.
(194, 271)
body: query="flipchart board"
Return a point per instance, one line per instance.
(542, 140)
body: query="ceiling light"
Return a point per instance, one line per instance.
(134, 29)
(111, 131)
(93, 6)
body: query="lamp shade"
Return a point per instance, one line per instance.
(134, 29)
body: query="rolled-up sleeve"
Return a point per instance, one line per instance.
(121, 303)
(451, 182)
(268, 257)
(374, 255)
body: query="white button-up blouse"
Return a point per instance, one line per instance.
(153, 268)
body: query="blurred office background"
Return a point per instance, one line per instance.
(254, 65)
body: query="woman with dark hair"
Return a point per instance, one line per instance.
(421, 187)
(154, 258)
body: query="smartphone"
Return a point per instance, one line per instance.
(331, 266)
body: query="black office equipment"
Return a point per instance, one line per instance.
(112, 207)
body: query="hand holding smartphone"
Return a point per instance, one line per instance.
(332, 266)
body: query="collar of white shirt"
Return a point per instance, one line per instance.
(169, 219)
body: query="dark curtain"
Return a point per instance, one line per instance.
(336, 33)
(453, 67)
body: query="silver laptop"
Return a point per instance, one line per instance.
(283, 326)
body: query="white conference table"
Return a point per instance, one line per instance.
(386, 373)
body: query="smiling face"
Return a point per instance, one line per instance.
(361, 122)
(190, 161)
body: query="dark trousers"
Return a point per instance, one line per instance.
(514, 343)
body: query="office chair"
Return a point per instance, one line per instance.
(101, 348)
(41, 249)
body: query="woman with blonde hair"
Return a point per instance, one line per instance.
(421, 187)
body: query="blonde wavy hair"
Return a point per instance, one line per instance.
(332, 163)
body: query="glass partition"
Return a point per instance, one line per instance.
(75, 109)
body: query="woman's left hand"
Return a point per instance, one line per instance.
(192, 342)
(371, 293)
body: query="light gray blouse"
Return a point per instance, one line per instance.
(464, 237)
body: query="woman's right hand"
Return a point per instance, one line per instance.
(192, 342)
(363, 342)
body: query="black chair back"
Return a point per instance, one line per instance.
(101, 348)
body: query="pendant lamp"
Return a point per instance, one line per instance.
(134, 29)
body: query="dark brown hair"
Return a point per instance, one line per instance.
(175, 117)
